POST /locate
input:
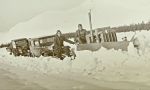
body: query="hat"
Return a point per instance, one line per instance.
(79, 25)
(58, 31)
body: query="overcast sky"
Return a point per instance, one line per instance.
(13, 12)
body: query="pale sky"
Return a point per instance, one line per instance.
(111, 12)
(15, 11)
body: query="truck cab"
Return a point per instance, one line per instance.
(19, 47)
(41, 46)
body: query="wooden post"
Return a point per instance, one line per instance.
(102, 37)
(90, 22)
(97, 36)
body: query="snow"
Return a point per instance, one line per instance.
(20, 79)
(110, 65)
(92, 67)
(103, 65)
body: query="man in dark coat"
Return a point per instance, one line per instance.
(81, 35)
(59, 47)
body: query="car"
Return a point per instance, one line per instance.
(19, 47)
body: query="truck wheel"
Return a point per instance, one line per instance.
(10, 53)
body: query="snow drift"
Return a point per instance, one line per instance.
(101, 65)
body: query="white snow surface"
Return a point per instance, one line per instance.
(110, 65)
(102, 65)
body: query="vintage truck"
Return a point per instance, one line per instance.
(18, 47)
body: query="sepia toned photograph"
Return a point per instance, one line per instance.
(74, 45)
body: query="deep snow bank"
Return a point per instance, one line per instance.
(102, 65)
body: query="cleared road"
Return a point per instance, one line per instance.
(12, 78)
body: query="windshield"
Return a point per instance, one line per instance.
(46, 41)
(22, 43)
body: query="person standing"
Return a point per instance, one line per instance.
(136, 44)
(80, 36)
(59, 44)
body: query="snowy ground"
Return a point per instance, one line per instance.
(17, 78)
(101, 70)
(10, 81)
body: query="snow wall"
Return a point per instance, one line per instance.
(101, 65)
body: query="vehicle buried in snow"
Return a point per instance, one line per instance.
(19, 47)
(44, 46)
(35, 47)
(41, 46)
(103, 38)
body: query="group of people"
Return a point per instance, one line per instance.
(59, 48)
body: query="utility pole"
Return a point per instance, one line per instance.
(90, 23)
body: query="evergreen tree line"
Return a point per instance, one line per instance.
(128, 28)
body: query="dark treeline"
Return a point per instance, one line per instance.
(128, 28)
